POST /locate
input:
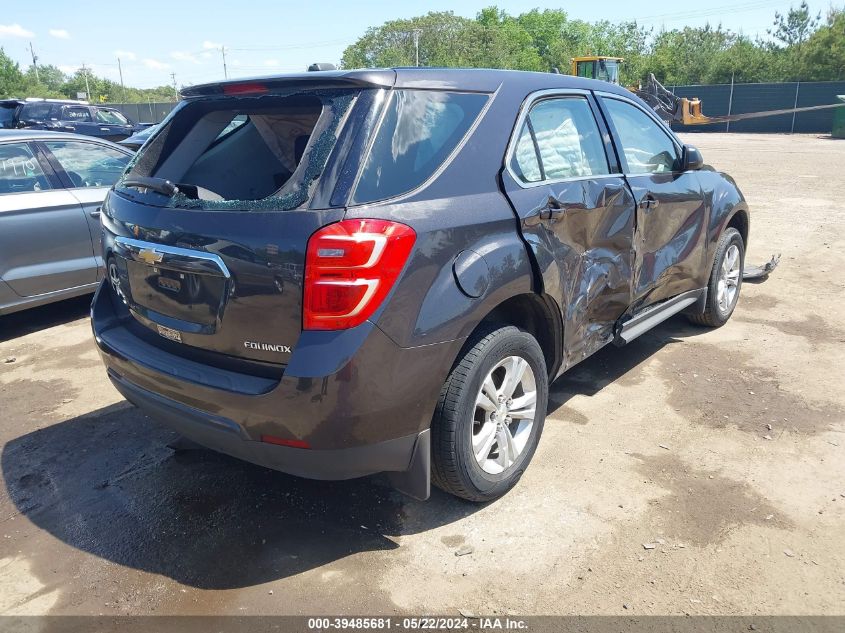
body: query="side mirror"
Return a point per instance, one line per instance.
(692, 158)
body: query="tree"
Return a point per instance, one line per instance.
(443, 41)
(795, 27)
(11, 77)
(824, 50)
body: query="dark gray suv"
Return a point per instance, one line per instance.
(382, 270)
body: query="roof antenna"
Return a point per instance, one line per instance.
(555, 70)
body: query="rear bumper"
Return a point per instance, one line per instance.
(371, 414)
(226, 436)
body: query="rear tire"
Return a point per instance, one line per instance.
(490, 415)
(725, 281)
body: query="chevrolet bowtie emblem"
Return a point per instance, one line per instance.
(150, 255)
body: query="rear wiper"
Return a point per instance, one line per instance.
(159, 185)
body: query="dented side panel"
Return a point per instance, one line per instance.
(584, 254)
(671, 236)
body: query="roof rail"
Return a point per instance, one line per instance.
(76, 101)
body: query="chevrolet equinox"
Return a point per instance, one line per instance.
(382, 270)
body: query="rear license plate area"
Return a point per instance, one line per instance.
(190, 297)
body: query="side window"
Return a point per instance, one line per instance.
(419, 131)
(524, 161)
(81, 115)
(89, 164)
(568, 139)
(110, 117)
(647, 148)
(19, 170)
(35, 112)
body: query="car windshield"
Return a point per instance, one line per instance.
(608, 71)
(111, 117)
(261, 153)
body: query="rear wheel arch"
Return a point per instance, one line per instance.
(535, 313)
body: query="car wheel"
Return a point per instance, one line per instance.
(114, 276)
(725, 281)
(490, 415)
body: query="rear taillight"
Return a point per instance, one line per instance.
(350, 267)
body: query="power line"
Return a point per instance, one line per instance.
(293, 47)
(730, 8)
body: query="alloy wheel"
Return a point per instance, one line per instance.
(727, 287)
(504, 414)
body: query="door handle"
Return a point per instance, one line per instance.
(649, 203)
(95, 213)
(554, 209)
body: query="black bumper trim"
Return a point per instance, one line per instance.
(117, 340)
(408, 454)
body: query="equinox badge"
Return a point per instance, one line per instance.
(268, 347)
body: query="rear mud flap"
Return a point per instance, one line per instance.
(416, 481)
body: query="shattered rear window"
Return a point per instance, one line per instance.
(242, 153)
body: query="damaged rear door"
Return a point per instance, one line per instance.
(576, 212)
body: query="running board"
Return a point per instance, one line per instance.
(654, 315)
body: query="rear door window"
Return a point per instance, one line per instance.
(567, 138)
(77, 114)
(89, 164)
(238, 152)
(20, 171)
(420, 129)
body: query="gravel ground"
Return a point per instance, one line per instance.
(693, 471)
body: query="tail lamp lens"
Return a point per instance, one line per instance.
(350, 268)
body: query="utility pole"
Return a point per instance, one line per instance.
(87, 87)
(175, 89)
(730, 104)
(34, 62)
(223, 52)
(120, 70)
(416, 47)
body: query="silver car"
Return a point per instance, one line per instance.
(51, 188)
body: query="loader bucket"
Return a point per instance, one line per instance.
(691, 109)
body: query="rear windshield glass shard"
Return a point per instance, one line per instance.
(244, 153)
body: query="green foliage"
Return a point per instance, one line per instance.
(800, 49)
(824, 52)
(51, 82)
(11, 77)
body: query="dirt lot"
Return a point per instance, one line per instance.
(724, 450)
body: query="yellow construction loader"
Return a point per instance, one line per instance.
(670, 107)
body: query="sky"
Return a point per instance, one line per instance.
(154, 38)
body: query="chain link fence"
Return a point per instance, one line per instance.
(144, 112)
(725, 99)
